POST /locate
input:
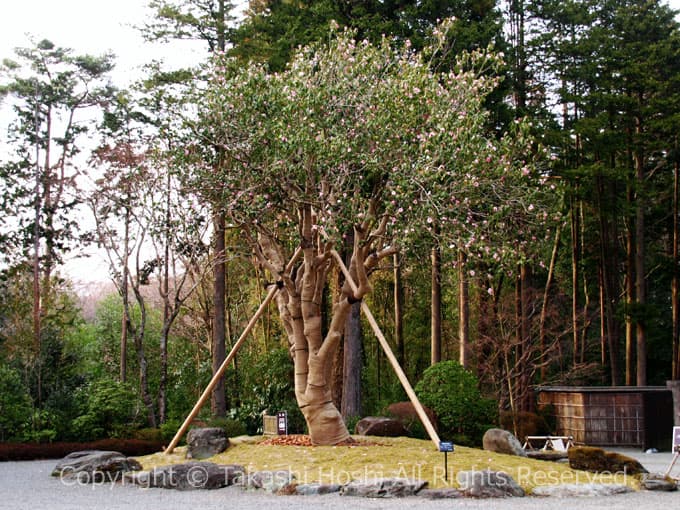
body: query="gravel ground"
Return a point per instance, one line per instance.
(28, 485)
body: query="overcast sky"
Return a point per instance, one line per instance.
(94, 26)
(91, 26)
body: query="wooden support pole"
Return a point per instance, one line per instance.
(391, 357)
(220, 372)
(670, 468)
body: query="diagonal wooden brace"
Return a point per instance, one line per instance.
(220, 371)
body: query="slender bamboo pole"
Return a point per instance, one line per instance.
(391, 357)
(220, 371)
(213, 382)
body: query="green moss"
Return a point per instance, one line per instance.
(388, 457)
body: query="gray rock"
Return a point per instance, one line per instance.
(95, 466)
(203, 443)
(380, 426)
(383, 488)
(569, 490)
(449, 493)
(658, 482)
(549, 455)
(188, 476)
(315, 489)
(488, 484)
(271, 481)
(502, 441)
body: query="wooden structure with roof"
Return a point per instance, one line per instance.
(611, 416)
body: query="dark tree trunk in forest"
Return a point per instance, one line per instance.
(219, 351)
(399, 312)
(630, 297)
(218, 402)
(138, 334)
(676, 264)
(542, 334)
(608, 263)
(351, 346)
(517, 27)
(351, 388)
(125, 321)
(436, 305)
(463, 311)
(524, 345)
(640, 276)
(574, 280)
(165, 293)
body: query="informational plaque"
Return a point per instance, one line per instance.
(282, 422)
(676, 439)
(445, 446)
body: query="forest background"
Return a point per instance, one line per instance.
(585, 293)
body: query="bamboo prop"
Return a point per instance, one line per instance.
(390, 356)
(220, 372)
(670, 468)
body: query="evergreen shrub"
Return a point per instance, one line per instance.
(452, 392)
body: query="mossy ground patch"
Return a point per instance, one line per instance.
(372, 457)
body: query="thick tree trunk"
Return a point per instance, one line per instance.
(218, 402)
(299, 304)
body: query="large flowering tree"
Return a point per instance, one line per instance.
(351, 139)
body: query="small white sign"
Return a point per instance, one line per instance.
(676, 439)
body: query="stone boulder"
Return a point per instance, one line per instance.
(383, 488)
(448, 493)
(270, 481)
(570, 490)
(658, 482)
(188, 476)
(317, 489)
(549, 455)
(488, 484)
(95, 466)
(597, 460)
(502, 441)
(203, 443)
(380, 426)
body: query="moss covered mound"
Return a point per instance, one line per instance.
(375, 457)
(597, 460)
